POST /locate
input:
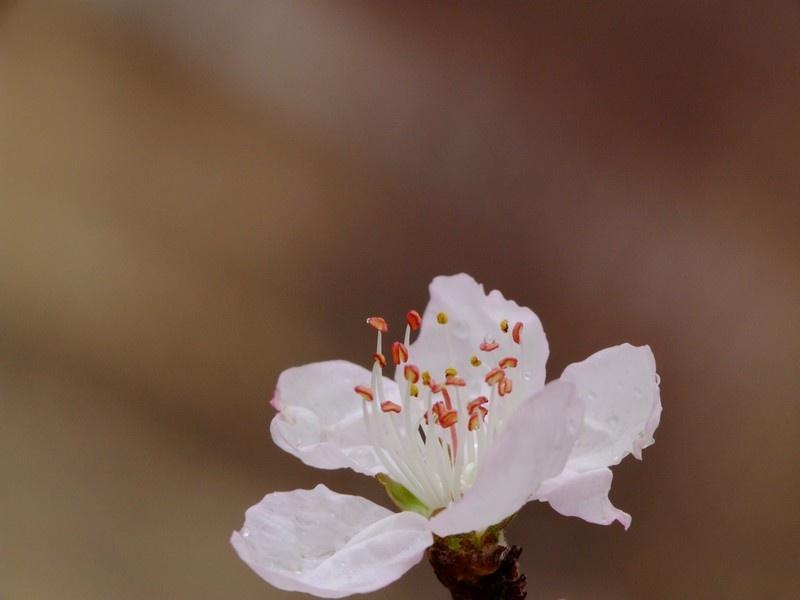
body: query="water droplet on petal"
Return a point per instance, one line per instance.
(245, 532)
(461, 330)
(526, 376)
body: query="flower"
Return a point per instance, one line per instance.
(462, 437)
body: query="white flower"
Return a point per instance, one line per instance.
(464, 435)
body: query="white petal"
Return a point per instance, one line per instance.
(320, 418)
(533, 447)
(583, 495)
(623, 406)
(472, 316)
(327, 544)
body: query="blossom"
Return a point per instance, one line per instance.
(463, 435)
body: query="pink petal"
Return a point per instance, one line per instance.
(327, 544)
(619, 386)
(320, 418)
(583, 495)
(472, 316)
(533, 447)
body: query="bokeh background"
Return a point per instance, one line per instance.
(196, 195)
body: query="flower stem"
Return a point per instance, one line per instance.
(478, 567)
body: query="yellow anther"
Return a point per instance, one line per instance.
(426, 378)
(450, 372)
(441, 318)
(413, 390)
(504, 325)
(475, 361)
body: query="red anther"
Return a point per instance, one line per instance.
(505, 386)
(413, 319)
(379, 358)
(482, 410)
(479, 401)
(495, 376)
(378, 323)
(438, 408)
(456, 381)
(399, 353)
(474, 422)
(508, 361)
(389, 406)
(448, 419)
(364, 392)
(489, 346)
(435, 387)
(411, 373)
(515, 333)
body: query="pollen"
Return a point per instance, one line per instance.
(508, 361)
(495, 376)
(441, 318)
(364, 392)
(389, 406)
(448, 418)
(479, 401)
(411, 373)
(378, 323)
(413, 319)
(399, 353)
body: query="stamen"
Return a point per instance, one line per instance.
(392, 407)
(504, 325)
(474, 421)
(479, 401)
(505, 386)
(378, 323)
(364, 392)
(474, 361)
(413, 319)
(508, 361)
(448, 419)
(456, 381)
(487, 346)
(399, 353)
(411, 373)
(441, 318)
(450, 372)
(495, 376)
(515, 333)
(413, 390)
(380, 359)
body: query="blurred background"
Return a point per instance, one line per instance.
(195, 196)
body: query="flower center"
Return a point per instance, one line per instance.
(433, 441)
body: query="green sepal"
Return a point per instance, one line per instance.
(402, 497)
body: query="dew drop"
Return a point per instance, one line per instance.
(526, 376)
(461, 330)
(245, 532)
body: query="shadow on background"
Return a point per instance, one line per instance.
(196, 197)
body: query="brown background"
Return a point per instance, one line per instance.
(197, 195)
